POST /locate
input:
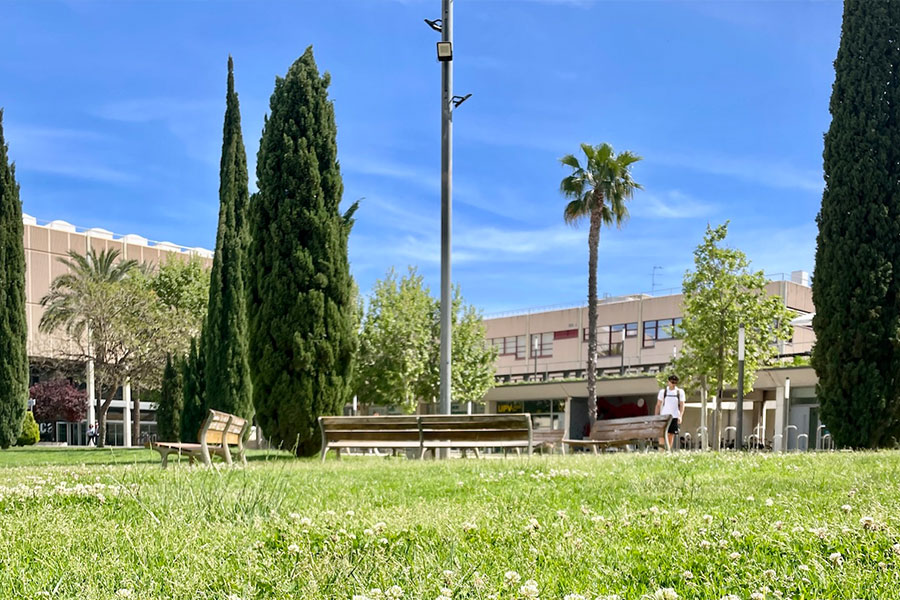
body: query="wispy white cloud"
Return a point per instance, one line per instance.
(768, 172)
(388, 169)
(65, 152)
(669, 205)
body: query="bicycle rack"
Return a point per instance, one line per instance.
(805, 436)
(787, 436)
(828, 441)
(725, 436)
(819, 437)
(775, 439)
(702, 434)
(687, 441)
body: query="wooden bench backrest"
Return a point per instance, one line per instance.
(388, 428)
(634, 428)
(460, 428)
(222, 428)
(548, 435)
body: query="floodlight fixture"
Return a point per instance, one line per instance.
(457, 100)
(437, 24)
(444, 51)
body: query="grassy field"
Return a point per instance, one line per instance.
(626, 526)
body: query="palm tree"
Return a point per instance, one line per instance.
(77, 303)
(598, 191)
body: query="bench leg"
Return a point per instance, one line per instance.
(477, 454)
(337, 452)
(518, 453)
(165, 459)
(594, 448)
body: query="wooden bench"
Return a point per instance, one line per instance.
(219, 433)
(391, 432)
(471, 432)
(620, 432)
(548, 438)
(426, 432)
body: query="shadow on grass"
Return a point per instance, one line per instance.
(46, 456)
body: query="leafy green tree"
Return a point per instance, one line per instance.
(31, 433)
(182, 284)
(89, 306)
(856, 290)
(228, 385)
(598, 191)
(13, 328)
(301, 305)
(193, 368)
(472, 357)
(171, 403)
(720, 294)
(395, 342)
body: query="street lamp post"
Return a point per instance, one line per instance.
(739, 442)
(535, 346)
(446, 60)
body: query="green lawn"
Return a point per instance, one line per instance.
(797, 526)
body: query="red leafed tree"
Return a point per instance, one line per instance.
(57, 400)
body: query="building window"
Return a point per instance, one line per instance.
(659, 330)
(565, 334)
(541, 345)
(609, 338)
(513, 345)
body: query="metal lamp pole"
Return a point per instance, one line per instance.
(739, 442)
(446, 204)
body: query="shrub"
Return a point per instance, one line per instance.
(58, 400)
(30, 432)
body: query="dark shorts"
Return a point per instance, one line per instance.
(673, 426)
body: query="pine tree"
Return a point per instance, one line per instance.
(13, 328)
(171, 402)
(193, 388)
(301, 302)
(856, 289)
(228, 386)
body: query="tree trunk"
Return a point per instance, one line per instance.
(102, 410)
(136, 418)
(593, 243)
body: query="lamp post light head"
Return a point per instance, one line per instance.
(444, 51)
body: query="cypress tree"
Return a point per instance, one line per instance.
(171, 403)
(228, 386)
(13, 327)
(857, 274)
(192, 378)
(301, 302)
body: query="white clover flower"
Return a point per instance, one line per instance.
(851, 493)
(259, 544)
(750, 498)
(757, 596)
(836, 558)
(360, 597)
(687, 575)
(529, 589)
(512, 578)
(446, 593)
(723, 543)
(803, 567)
(562, 514)
(734, 555)
(731, 597)
(779, 525)
(598, 519)
(394, 593)
(305, 522)
(293, 548)
(349, 513)
(682, 511)
(532, 525)
(654, 510)
(124, 593)
(610, 597)
(368, 532)
(574, 597)
(376, 594)
(665, 594)
(383, 541)
(867, 523)
(770, 502)
(469, 526)
(234, 597)
(797, 529)
(294, 516)
(448, 575)
(705, 544)
(477, 580)
(736, 534)
(770, 573)
(896, 548)
(708, 518)
(846, 508)
(379, 527)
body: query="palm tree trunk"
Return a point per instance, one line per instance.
(593, 243)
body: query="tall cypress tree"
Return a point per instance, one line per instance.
(192, 382)
(228, 386)
(857, 275)
(13, 327)
(301, 303)
(171, 402)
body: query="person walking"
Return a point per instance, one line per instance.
(670, 401)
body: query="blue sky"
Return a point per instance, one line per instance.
(113, 114)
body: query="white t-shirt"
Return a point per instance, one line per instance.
(670, 401)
